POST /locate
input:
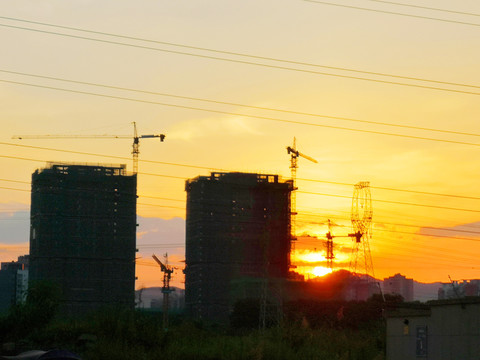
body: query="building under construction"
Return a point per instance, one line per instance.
(237, 235)
(82, 236)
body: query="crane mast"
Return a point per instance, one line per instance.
(330, 256)
(294, 155)
(167, 275)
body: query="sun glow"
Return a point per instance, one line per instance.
(311, 263)
(321, 271)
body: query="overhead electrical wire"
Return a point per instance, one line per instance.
(302, 213)
(410, 127)
(393, 189)
(244, 115)
(392, 12)
(387, 244)
(332, 195)
(394, 202)
(427, 250)
(16, 181)
(376, 222)
(416, 234)
(389, 189)
(428, 235)
(426, 7)
(312, 213)
(425, 235)
(204, 168)
(101, 155)
(381, 244)
(390, 82)
(7, 188)
(258, 57)
(138, 203)
(343, 225)
(160, 198)
(443, 263)
(437, 257)
(162, 206)
(385, 230)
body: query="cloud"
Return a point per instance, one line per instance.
(15, 227)
(465, 230)
(212, 127)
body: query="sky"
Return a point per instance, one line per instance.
(374, 91)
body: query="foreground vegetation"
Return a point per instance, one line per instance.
(310, 330)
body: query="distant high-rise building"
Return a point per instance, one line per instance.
(13, 282)
(82, 236)
(459, 289)
(237, 233)
(399, 285)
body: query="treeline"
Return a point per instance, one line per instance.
(309, 330)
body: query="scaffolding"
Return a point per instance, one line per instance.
(83, 230)
(227, 215)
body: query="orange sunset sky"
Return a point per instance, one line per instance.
(374, 91)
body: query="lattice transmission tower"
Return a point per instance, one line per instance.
(362, 213)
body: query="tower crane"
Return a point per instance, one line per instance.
(167, 275)
(330, 255)
(294, 155)
(135, 146)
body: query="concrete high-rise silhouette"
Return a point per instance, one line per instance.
(237, 234)
(82, 236)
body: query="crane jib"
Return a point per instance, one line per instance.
(161, 136)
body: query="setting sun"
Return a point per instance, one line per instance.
(321, 271)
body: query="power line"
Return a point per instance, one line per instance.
(395, 202)
(163, 206)
(101, 155)
(312, 213)
(393, 250)
(375, 222)
(393, 189)
(417, 226)
(243, 115)
(160, 198)
(7, 188)
(239, 105)
(426, 7)
(404, 246)
(428, 235)
(321, 194)
(270, 65)
(209, 168)
(258, 57)
(423, 248)
(392, 13)
(16, 181)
